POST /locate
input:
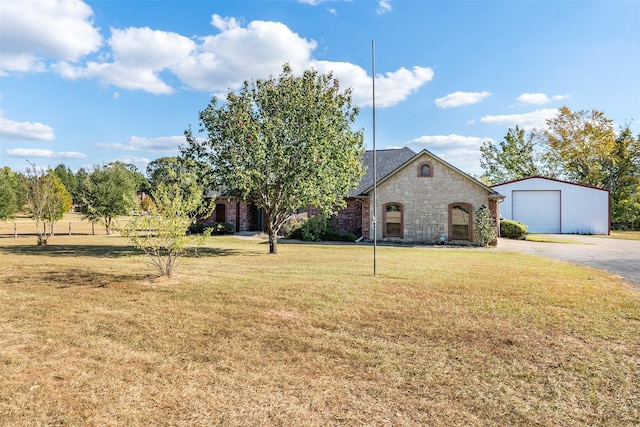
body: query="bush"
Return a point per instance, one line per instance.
(485, 225)
(217, 228)
(222, 228)
(291, 228)
(513, 229)
(315, 229)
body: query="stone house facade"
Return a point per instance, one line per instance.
(420, 198)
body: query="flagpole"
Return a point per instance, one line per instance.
(375, 175)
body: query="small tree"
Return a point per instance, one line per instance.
(161, 233)
(47, 200)
(485, 225)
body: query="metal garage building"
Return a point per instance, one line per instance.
(548, 205)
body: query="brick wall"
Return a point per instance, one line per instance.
(243, 216)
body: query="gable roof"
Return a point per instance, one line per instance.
(549, 179)
(389, 162)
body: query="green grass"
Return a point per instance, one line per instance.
(309, 337)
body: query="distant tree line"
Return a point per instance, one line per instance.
(582, 147)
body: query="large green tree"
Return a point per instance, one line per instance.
(69, 180)
(8, 193)
(173, 170)
(108, 191)
(515, 157)
(582, 142)
(282, 143)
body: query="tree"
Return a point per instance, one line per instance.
(282, 143)
(109, 191)
(68, 179)
(174, 170)
(8, 199)
(623, 179)
(516, 157)
(161, 233)
(47, 200)
(582, 142)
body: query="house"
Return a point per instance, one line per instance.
(419, 197)
(549, 205)
(242, 216)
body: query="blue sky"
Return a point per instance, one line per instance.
(89, 82)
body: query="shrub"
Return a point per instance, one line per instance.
(222, 228)
(291, 228)
(338, 236)
(485, 225)
(315, 229)
(513, 229)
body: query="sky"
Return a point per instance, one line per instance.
(88, 82)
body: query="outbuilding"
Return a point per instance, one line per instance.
(549, 205)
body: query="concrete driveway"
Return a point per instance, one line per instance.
(621, 257)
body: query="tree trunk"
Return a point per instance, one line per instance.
(273, 243)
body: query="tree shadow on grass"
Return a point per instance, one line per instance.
(99, 251)
(76, 277)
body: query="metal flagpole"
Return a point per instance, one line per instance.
(375, 163)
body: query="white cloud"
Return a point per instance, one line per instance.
(526, 121)
(144, 47)
(48, 154)
(141, 58)
(35, 30)
(432, 142)
(391, 88)
(159, 144)
(139, 54)
(465, 159)
(140, 162)
(236, 54)
(539, 98)
(25, 130)
(117, 74)
(458, 99)
(384, 6)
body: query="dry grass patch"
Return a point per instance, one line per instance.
(309, 337)
(626, 235)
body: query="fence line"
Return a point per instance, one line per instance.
(70, 228)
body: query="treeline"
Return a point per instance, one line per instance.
(100, 194)
(582, 147)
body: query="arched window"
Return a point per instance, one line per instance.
(393, 221)
(425, 170)
(460, 217)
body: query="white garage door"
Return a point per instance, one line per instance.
(540, 210)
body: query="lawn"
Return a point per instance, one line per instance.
(627, 235)
(440, 337)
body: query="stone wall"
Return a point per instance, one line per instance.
(425, 200)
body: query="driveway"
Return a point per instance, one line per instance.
(621, 257)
